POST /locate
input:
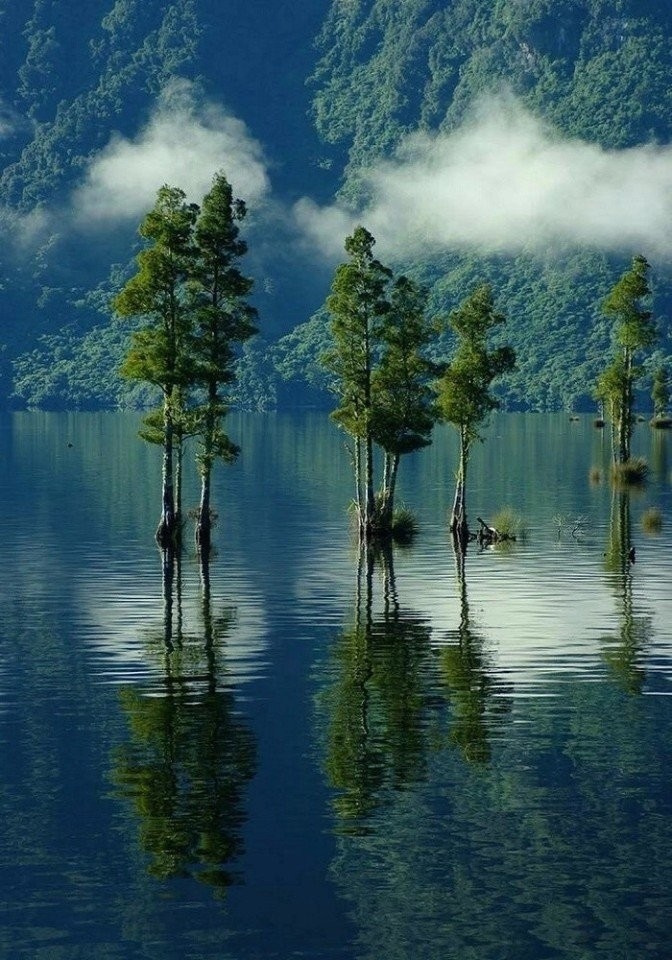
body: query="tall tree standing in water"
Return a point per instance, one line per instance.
(357, 303)
(157, 354)
(464, 395)
(223, 319)
(634, 330)
(405, 407)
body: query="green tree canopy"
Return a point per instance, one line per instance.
(627, 305)
(464, 394)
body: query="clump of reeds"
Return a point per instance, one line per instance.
(509, 524)
(404, 526)
(632, 472)
(652, 520)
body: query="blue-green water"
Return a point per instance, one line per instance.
(308, 758)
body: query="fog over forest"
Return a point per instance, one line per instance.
(527, 145)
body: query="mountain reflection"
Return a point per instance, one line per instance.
(189, 756)
(625, 651)
(378, 700)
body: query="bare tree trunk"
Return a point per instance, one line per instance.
(386, 497)
(204, 522)
(627, 424)
(370, 505)
(387, 469)
(613, 430)
(625, 412)
(392, 488)
(458, 521)
(358, 479)
(179, 460)
(165, 533)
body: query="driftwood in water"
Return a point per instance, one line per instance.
(488, 534)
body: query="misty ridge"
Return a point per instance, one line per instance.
(520, 145)
(504, 181)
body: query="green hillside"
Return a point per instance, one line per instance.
(597, 70)
(328, 89)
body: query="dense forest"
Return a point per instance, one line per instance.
(318, 109)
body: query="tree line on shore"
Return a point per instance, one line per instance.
(194, 304)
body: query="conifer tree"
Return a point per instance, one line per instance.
(464, 391)
(223, 319)
(357, 304)
(660, 392)
(157, 354)
(634, 330)
(404, 403)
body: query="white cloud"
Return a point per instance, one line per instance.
(184, 143)
(503, 182)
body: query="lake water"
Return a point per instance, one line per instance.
(306, 757)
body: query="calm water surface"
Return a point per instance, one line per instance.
(309, 757)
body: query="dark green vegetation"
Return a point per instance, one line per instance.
(634, 330)
(598, 70)
(465, 396)
(380, 376)
(70, 80)
(660, 395)
(390, 395)
(188, 757)
(190, 297)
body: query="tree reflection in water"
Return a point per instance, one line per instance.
(538, 824)
(386, 706)
(189, 756)
(478, 701)
(624, 653)
(378, 702)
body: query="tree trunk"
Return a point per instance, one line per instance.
(382, 498)
(458, 521)
(370, 505)
(394, 472)
(613, 429)
(204, 522)
(386, 499)
(358, 479)
(625, 413)
(166, 531)
(179, 459)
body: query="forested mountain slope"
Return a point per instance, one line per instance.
(75, 77)
(597, 70)
(78, 82)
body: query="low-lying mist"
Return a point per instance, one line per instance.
(503, 182)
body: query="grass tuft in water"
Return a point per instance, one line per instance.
(509, 523)
(652, 520)
(404, 526)
(631, 473)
